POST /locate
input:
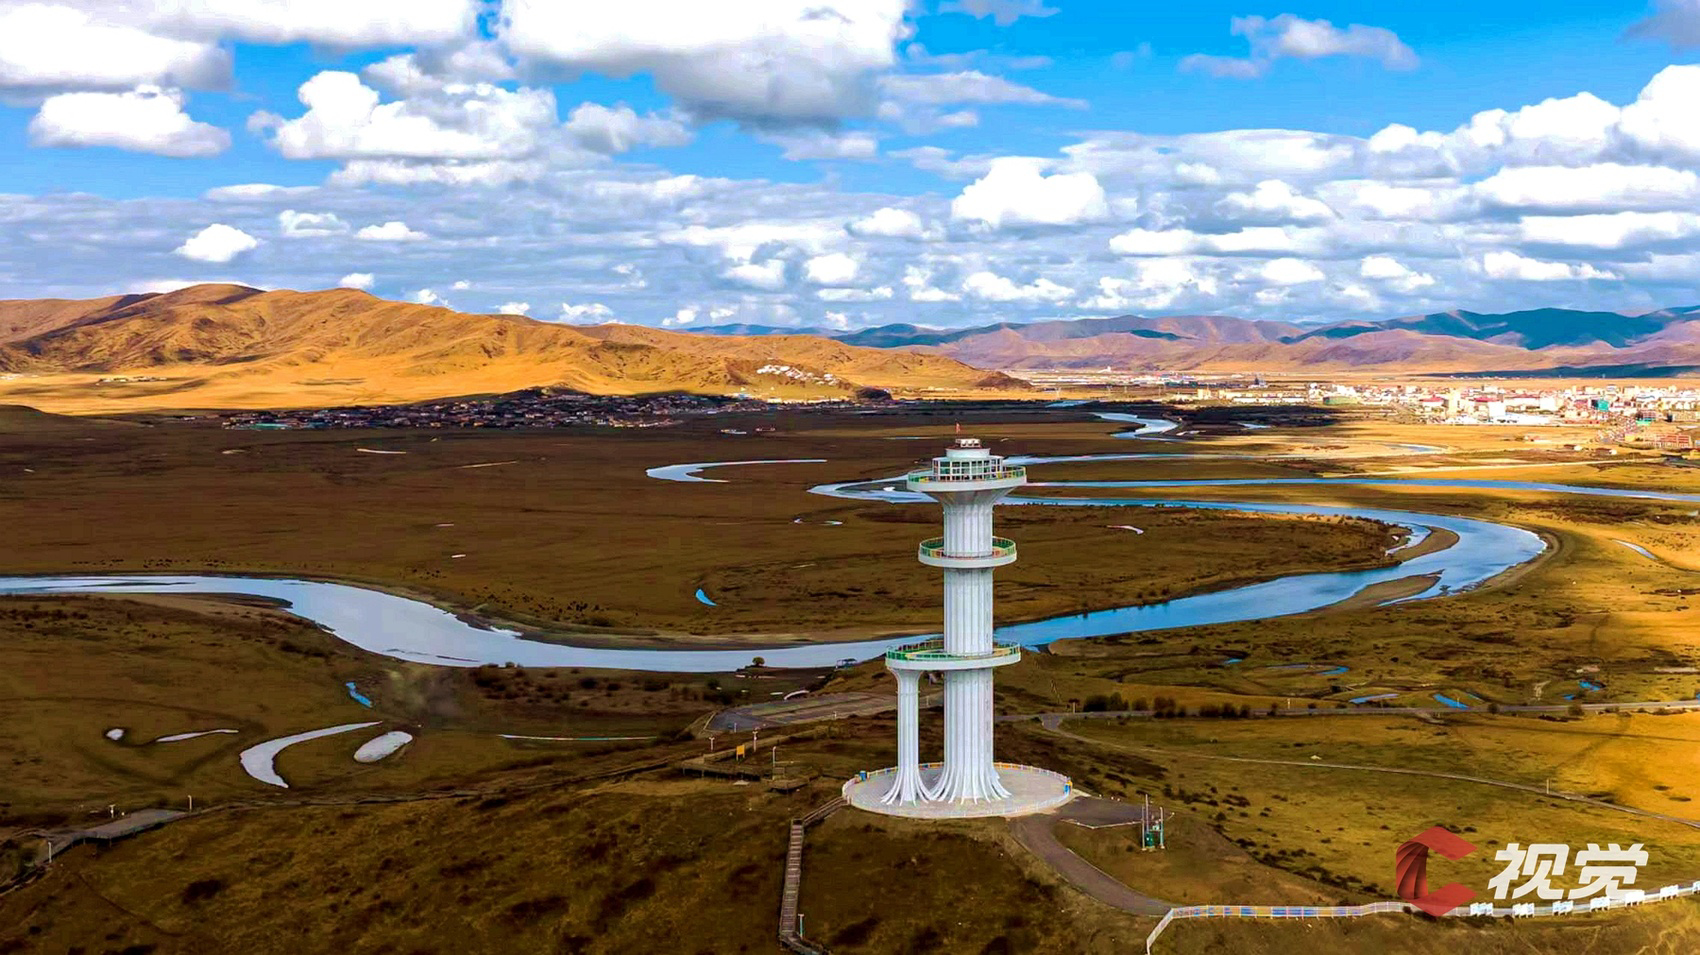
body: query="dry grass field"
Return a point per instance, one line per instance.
(72, 668)
(565, 529)
(572, 537)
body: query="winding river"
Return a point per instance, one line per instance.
(407, 629)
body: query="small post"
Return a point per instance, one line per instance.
(49, 851)
(191, 802)
(799, 925)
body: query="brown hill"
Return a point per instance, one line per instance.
(1406, 350)
(226, 346)
(1549, 339)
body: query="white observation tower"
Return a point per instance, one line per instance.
(967, 480)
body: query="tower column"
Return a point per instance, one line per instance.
(907, 787)
(968, 775)
(968, 610)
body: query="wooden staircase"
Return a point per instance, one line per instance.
(788, 935)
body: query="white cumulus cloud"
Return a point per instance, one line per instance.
(1015, 191)
(768, 275)
(1610, 230)
(57, 46)
(310, 224)
(1505, 264)
(1289, 271)
(392, 231)
(586, 313)
(1156, 283)
(359, 280)
(761, 60)
(217, 243)
(1293, 36)
(346, 119)
(1393, 273)
(1276, 201)
(892, 223)
(145, 120)
(991, 287)
(620, 129)
(833, 268)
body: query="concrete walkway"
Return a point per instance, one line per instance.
(811, 709)
(114, 829)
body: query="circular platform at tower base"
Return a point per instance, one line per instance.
(1031, 789)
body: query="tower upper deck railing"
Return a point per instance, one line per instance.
(992, 469)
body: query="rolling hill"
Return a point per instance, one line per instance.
(1533, 341)
(229, 346)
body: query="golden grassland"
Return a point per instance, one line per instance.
(1592, 609)
(573, 533)
(620, 868)
(72, 668)
(566, 530)
(1339, 826)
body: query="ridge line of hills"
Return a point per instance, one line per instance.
(230, 346)
(1550, 340)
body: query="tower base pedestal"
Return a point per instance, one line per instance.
(1030, 790)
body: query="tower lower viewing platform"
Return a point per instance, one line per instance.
(933, 554)
(932, 656)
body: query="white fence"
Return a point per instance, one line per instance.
(1625, 899)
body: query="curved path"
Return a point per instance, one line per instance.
(258, 760)
(1037, 834)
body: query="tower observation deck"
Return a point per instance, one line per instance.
(968, 481)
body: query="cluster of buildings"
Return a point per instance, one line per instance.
(1606, 405)
(533, 408)
(1621, 412)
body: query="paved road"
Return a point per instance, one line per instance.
(812, 709)
(1037, 835)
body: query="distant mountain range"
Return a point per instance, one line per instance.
(1545, 340)
(229, 346)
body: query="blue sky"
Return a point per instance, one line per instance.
(852, 162)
